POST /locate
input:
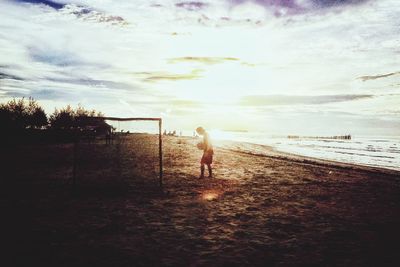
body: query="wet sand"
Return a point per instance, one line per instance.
(274, 210)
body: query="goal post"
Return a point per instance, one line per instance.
(119, 119)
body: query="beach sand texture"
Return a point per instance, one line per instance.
(276, 210)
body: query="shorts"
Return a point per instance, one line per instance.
(207, 157)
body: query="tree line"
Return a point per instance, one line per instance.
(25, 116)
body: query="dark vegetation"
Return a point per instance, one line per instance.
(25, 121)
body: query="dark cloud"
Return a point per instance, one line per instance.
(4, 76)
(291, 7)
(330, 3)
(380, 76)
(293, 4)
(6, 93)
(58, 58)
(49, 94)
(41, 94)
(61, 58)
(263, 100)
(81, 12)
(268, 3)
(89, 14)
(53, 4)
(93, 83)
(192, 6)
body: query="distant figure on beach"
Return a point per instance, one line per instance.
(108, 137)
(208, 152)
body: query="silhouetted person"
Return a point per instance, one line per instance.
(108, 137)
(208, 152)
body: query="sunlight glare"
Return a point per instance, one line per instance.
(216, 134)
(209, 195)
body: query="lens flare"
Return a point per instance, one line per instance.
(210, 195)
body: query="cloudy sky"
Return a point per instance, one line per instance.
(280, 66)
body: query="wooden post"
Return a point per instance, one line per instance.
(74, 163)
(160, 152)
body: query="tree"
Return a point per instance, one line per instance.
(68, 118)
(62, 118)
(36, 117)
(21, 114)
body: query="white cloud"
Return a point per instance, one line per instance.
(91, 51)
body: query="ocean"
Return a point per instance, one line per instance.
(383, 152)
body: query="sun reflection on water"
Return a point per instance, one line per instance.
(218, 136)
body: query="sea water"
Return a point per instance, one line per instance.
(383, 152)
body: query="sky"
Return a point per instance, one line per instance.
(308, 67)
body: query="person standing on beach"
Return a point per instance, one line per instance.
(208, 152)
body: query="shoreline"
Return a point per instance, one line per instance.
(275, 153)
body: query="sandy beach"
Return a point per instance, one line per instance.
(258, 210)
